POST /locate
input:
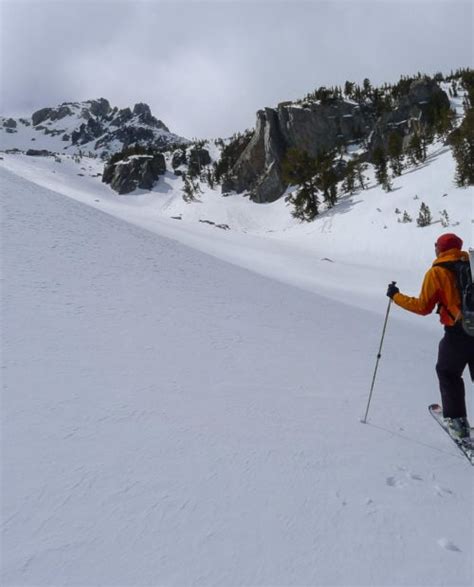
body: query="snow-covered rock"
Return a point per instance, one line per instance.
(136, 171)
(93, 127)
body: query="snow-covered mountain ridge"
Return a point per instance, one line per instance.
(93, 127)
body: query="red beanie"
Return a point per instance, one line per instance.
(448, 241)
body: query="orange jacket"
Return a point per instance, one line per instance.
(439, 287)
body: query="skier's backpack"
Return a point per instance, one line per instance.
(462, 272)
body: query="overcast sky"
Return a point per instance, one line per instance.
(206, 67)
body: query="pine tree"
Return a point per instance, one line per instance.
(358, 94)
(348, 89)
(367, 86)
(360, 168)
(190, 189)
(188, 193)
(387, 184)
(424, 216)
(326, 176)
(381, 173)
(210, 178)
(444, 218)
(415, 149)
(305, 201)
(462, 144)
(348, 185)
(406, 218)
(299, 169)
(426, 139)
(445, 123)
(395, 153)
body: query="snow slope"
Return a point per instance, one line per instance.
(171, 419)
(348, 253)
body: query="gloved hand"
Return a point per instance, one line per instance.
(392, 290)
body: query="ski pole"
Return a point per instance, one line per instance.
(379, 354)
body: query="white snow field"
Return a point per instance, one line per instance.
(170, 418)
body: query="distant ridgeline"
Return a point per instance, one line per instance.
(320, 144)
(90, 128)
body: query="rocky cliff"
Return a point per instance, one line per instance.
(135, 171)
(316, 126)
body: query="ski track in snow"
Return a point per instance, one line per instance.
(170, 419)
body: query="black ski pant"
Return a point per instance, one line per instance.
(456, 351)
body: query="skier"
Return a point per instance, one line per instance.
(456, 348)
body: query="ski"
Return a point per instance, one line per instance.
(471, 262)
(466, 445)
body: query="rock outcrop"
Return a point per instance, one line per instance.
(312, 129)
(144, 116)
(258, 169)
(124, 126)
(195, 157)
(198, 157)
(136, 171)
(315, 127)
(178, 158)
(94, 126)
(10, 123)
(414, 110)
(39, 153)
(51, 114)
(100, 108)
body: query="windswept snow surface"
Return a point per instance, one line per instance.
(172, 419)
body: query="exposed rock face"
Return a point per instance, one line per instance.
(50, 114)
(41, 115)
(100, 107)
(87, 132)
(318, 127)
(310, 129)
(198, 158)
(323, 126)
(414, 110)
(129, 130)
(10, 123)
(39, 153)
(59, 113)
(123, 116)
(129, 135)
(259, 166)
(178, 158)
(137, 171)
(143, 112)
(426, 94)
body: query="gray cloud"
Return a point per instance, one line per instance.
(206, 67)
